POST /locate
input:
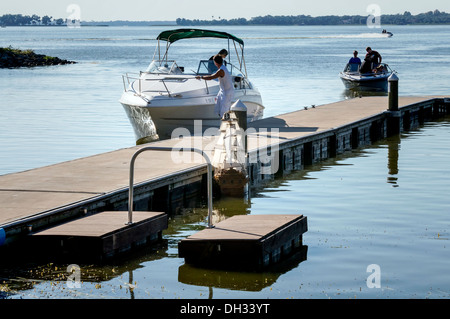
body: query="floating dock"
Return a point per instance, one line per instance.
(245, 241)
(103, 235)
(40, 199)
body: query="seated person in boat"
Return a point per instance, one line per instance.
(378, 69)
(211, 67)
(371, 61)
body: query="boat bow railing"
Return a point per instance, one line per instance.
(129, 81)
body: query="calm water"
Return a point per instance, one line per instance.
(386, 204)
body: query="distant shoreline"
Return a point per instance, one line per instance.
(435, 17)
(90, 24)
(382, 26)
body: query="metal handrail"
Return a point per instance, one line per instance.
(169, 149)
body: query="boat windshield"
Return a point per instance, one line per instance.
(355, 68)
(352, 67)
(205, 67)
(164, 67)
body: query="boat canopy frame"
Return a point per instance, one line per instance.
(171, 36)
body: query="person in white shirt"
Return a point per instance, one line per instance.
(226, 92)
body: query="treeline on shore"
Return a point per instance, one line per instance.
(431, 17)
(21, 20)
(9, 20)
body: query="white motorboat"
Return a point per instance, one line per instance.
(377, 79)
(165, 97)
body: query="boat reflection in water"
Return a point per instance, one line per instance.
(362, 92)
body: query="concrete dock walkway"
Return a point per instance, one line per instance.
(35, 197)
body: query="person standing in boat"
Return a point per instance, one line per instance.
(211, 67)
(371, 61)
(355, 59)
(226, 92)
(223, 53)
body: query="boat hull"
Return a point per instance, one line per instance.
(190, 116)
(374, 81)
(365, 82)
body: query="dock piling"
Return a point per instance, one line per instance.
(393, 92)
(393, 121)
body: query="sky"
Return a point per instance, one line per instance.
(170, 10)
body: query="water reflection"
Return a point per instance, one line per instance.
(240, 280)
(31, 268)
(364, 91)
(229, 206)
(191, 220)
(23, 274)
(393, 144)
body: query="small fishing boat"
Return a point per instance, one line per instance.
(377, 79)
